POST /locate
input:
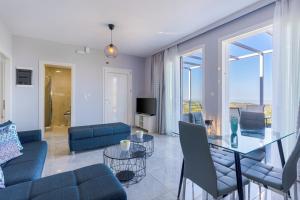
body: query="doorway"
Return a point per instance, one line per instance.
(56, 100)
(247, 77)
(192, 82)
(117, 95)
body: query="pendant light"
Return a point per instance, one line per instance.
(111, 51)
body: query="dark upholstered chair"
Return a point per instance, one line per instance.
(199, 167)
(198, 118)
(279, 180)
(253, 121)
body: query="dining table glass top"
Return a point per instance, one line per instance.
(246, 141)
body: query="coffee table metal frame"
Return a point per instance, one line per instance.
(147, 141)
(128, 166)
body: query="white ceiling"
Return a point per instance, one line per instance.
(142, 26)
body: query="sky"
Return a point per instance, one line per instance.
(243, 74)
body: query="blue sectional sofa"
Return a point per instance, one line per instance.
(28, 166)
(95, 136)
(94, 182)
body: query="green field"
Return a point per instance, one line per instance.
(196, 106)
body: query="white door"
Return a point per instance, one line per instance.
(117, 95)
(2, 63)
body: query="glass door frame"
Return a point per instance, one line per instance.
(200, 48)
(225, 42)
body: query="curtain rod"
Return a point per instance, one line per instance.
(225, 20)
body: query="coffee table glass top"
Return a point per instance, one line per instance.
(115, 152)
(246, 141)
(145, 138)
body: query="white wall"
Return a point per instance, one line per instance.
(213, 65)
(28, 52)
(6, 50)
(5, 40)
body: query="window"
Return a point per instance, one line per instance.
(192, 82)
(250, 73)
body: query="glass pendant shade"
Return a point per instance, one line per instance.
(111, 51)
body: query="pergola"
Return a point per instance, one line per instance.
(192, 62)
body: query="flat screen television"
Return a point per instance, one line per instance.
(146, 106)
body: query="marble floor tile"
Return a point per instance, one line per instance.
(163, 168)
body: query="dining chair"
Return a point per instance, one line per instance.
(253, 121)
(278, 180)
(187, 117)
(198, 118)
(217, 180)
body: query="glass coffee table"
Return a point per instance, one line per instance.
(147, 141)
(128, 166)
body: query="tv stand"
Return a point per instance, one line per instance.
(146, 122)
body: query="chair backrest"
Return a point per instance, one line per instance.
(187, 117)
(252, 120)
(198, 164)
(289, 174)
(198, 118)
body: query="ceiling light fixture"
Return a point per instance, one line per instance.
(111, 51)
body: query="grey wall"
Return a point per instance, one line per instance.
(213, 56)
(88, 79)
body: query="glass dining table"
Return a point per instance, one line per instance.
(244, 142)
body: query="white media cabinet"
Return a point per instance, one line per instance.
(146, 122)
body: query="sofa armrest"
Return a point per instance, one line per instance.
(30, 136)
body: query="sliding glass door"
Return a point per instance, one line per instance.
(248, 75)
(192, 76)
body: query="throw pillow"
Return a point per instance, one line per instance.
(5, 123)
(1, 179)
(9, 133)
(8, 151)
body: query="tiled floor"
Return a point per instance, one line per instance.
(163, 168)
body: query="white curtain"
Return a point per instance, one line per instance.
(286, 65)
(158, 89)
(172, 89)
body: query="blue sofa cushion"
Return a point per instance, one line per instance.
(30, 136)
(102, 130)
(86, 173)
(27, 167)
(94, 182)
(95, 136)
(67, 193)
(19, 191)
(52, 183)
(120, 128)
(76, 133)
(98, 182)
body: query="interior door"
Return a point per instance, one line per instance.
(117, 96)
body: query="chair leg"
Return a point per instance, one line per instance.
(286, 196)
(232, 196)
(204, 194)
(249, 188)
(193, 192)
(259, 192)
(184, 188)
(296, 191)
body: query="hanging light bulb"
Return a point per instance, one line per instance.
(111, 51)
